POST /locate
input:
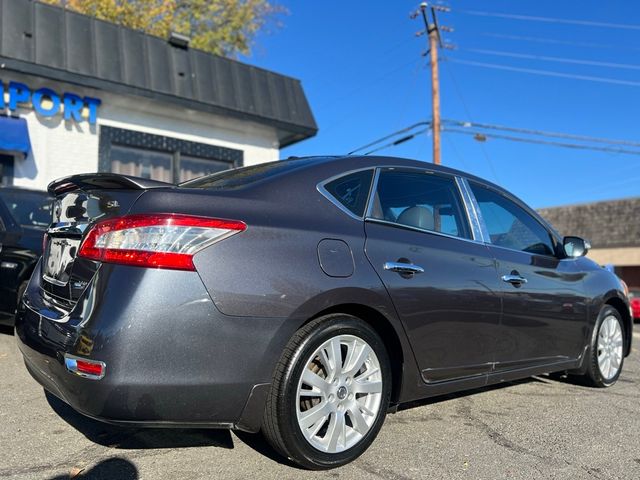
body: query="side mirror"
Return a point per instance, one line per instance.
(575, 246)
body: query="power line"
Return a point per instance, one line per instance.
(607, 186)
(370, 83)
(552, 59)
(405, 104)
(544, 133)
(458, 91)
(477, 133)
(399, 141)
(553, 41)
(548, 73)
(455, 152)
(466, 129)
(391, 135)
(566, 21)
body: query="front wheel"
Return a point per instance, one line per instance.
(330, 393)
(606, 352)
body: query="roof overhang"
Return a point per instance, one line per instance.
(80, 50)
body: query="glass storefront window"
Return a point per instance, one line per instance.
(166, 159)
(193, 167)
(142, 163)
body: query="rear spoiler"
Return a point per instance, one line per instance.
(103, 181)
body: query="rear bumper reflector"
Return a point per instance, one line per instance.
(92, 369)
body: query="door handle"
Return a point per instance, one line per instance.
(514, 279)
(406, 268)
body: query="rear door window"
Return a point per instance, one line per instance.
(421, 200)
(352, 191)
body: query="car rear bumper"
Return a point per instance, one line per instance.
(172, 359)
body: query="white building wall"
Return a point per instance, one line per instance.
(61, 148)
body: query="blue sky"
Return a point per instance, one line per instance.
(361, 66)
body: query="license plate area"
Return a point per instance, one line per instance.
(58, 260)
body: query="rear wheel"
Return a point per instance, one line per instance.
(606, 352)
(330, 393)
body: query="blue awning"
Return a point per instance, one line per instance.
(14, 135)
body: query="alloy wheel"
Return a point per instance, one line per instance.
(339, 394)
(610, 347)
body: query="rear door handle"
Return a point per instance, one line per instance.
(514, 279)
(405, 268)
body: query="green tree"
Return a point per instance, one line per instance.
(224, 27)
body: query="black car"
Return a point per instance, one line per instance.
(307, 298)
(24, 216)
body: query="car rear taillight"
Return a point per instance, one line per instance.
(159, 240)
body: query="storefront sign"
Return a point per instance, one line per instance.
(48, 103)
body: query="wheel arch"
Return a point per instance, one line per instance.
(383, 327)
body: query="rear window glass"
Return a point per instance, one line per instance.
(352, 191)
(29, 209)
(245, 176)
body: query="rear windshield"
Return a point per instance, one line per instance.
(29, 209)
(245, 176)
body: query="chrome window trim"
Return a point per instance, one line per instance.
(325, 193)
(372, 193)
(479, 228)
(418, 229)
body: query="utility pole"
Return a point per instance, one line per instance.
(435, 41)
(435, 86)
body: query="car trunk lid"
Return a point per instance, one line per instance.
(80, 201)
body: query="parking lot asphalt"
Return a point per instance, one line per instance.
(531, 429)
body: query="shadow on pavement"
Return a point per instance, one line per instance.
(113, 436)
(258, 443)
(108, 469)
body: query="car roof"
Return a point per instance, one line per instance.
(352, 162)
(319, 168)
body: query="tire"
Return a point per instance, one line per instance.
(607, 341)
(302, 416)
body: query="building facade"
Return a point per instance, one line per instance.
(83, 95)
(612, 227)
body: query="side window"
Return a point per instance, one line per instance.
(352, 191)
(421, 200)
(509, 225)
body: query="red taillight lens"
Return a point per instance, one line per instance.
(92, 369)
(160, 240)
(89, 368)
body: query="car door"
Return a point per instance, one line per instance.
(544, 311)
(441, 280)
